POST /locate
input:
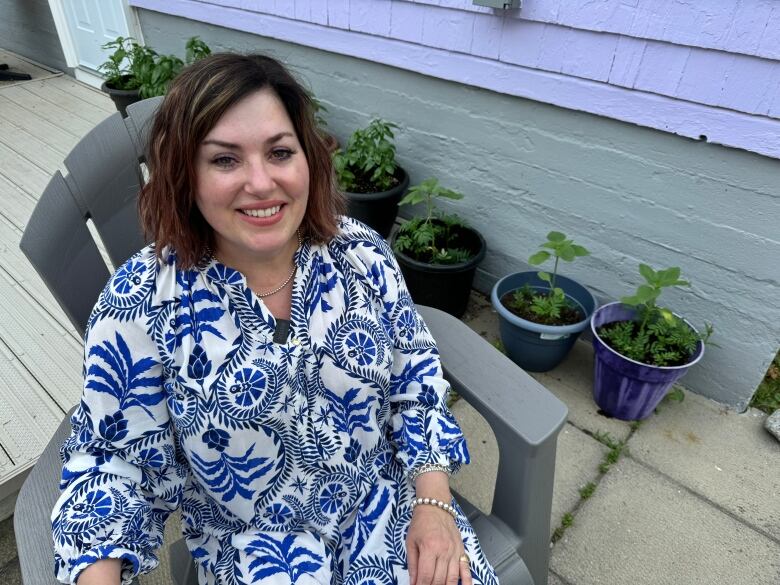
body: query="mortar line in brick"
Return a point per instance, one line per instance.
(705, 499)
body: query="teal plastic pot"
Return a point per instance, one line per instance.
(532, 346)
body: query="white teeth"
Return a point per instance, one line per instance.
(262, 212)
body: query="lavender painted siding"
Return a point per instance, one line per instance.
(613, 58)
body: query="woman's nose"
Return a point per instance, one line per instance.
(259, 179)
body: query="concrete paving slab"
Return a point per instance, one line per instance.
(11, 574)
(576, 463)
(572, 383)
(552, 579)
(7, 542)
(642, 528)
(476, 480)
(726, 457)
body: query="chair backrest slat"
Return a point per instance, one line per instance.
(105, 179)
(58, 244)
(139, 122)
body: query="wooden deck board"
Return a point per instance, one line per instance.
(55, 137)
(21, 172)
(54, 113)
(30, 147)
(69, 86)
(69, 102)
(40, 352)
(17, 205)
(48, 352)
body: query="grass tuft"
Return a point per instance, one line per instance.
(767, 396)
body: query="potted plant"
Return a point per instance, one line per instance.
(368, 175)
(641, 349)
(542, 314)
(134, 72)
(438, 253)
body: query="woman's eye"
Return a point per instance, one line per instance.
(224, 162)
(281, 153)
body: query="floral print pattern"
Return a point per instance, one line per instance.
(288, 461)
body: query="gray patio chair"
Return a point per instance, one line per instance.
(101, 187)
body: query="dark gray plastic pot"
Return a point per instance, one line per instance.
(532, 346)
(122, 97)
(624, 388)
(378, 210)
(444, 286)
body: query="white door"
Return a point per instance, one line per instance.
(91, 24)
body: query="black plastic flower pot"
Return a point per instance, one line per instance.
(444, 286)
(378, 210)
(122, 97)
(533, 346)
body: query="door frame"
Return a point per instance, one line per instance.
(69, 47)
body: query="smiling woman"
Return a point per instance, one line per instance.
(317, 456)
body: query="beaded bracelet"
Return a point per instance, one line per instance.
(434, 502)
(427, 468)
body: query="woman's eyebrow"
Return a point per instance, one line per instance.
(231, 145)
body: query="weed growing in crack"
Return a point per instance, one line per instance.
(587, 490)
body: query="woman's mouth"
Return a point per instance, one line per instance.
(270, 211)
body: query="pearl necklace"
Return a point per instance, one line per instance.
(289, 278)
(281, 286)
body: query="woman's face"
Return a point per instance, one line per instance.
(252, 181)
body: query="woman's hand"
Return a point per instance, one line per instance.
(434, 548)
(101, 572)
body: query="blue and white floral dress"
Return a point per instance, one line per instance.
(289, 461)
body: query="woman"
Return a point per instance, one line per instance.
(261, 366)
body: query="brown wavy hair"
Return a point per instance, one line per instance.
(196, 100)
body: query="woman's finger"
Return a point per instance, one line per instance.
(412, 556)
(453, 571)
(426, 567)
(465, 572)
(440, 574)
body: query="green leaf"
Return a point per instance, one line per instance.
(556, 236)
(646, 293)
(538, 258)
(449, 194)
(545, 276)
(647, 272)
(632, 301)
(669, 276)
(580, 250)
(567, 253)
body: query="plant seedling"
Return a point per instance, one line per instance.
(552, 307)
(368, 162)
(434, 237)
(659, 337)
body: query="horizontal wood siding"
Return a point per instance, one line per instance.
(706, 73)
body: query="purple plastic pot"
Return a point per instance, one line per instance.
(624, 388)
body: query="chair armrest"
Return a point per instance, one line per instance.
(32, 514)
(525, 418)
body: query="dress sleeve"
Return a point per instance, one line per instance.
(423, 429)
(121, 476)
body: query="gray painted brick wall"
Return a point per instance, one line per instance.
(27, 28)
(629, 194)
